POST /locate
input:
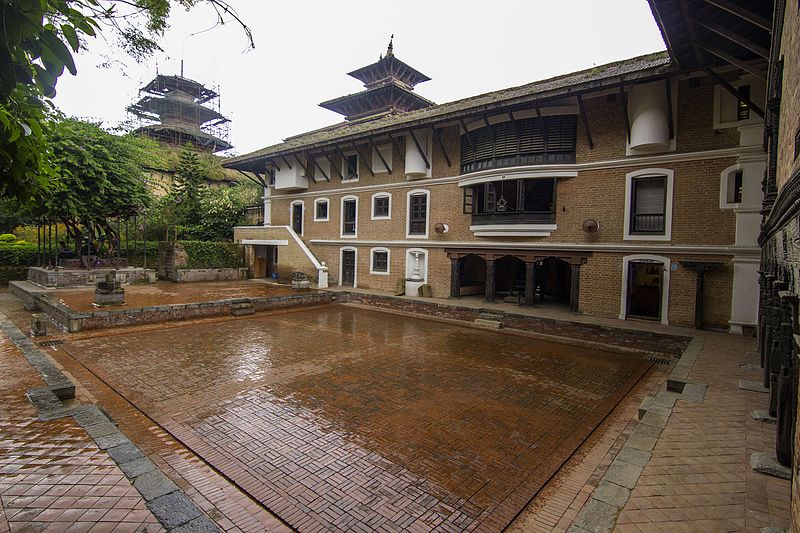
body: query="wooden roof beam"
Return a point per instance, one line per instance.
(419, 149)
(366, 160)
(260, 182)
(623, 97)
(742, 13)
(733, 61)
(467, 133)
(441, 146)
(670, 119)
(733, 91)
(380, 155)
(330, 161)
(736, 38)
(585, 120)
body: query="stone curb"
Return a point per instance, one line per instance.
(170, 505)
(600, 512)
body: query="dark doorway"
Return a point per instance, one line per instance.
(645, 284)
(297, 218)
(348, 267)
(553, 280)
(266, 259)
(510, 279)
(472, 275)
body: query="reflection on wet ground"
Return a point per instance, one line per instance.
(166, 293)
(342, 417)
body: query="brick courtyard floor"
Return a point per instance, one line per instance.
(698, 478)
(166, 293)
(52, 475)
(341, 417)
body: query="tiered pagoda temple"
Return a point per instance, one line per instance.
(179, 111)
(389, 87)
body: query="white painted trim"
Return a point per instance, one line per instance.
(499, 173)
(410, 259)
(660, 159)
(265, 242)
(629, 177)
(665, 261)
(303, 247)
(718, 93)
(723, 186)
(409, 194)
(513, 230)
(571, 247)
(377, 164)
(327, 211)
(388, 261)
(302, 204)
(372, 205)
(355, 264)
(324, 164)
(341, 217)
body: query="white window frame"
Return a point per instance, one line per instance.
(386, 150)
(629, 177)
(344, 167)
(372, 206)
(388, 261)
(342, 250)
(667, 264)
(409, 194)
(302, 204)
(324, 164)
(328, 211)
(410, 263)
(725, 182)
(341, 217)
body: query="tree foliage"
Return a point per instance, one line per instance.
(187, 188)
(100, 178)
(38, 41)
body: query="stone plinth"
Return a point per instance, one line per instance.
(109, 291)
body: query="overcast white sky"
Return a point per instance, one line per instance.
(304, 50)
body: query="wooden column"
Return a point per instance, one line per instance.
(698, 298)
(530, 284)
(455, 277)
(574, 291)
(490, 280)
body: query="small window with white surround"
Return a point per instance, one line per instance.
(418, 213)
(350, 167)
(648, 205)
(732, 111)
(321, 210)
(381, 157)
(381, 206)
(379, 261)
(731, 187)
(349, 224)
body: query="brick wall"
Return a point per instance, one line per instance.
(790, 99)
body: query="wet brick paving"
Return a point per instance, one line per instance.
(343, 418)
(52, 475)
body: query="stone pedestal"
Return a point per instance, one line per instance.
(109, 291)
(38, 325)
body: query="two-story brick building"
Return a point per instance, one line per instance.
(627, 190)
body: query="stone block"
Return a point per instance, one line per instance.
(125, 453)
(597, 516)
(611, 494)
(640, 441)
(137, 467)
(766, 463)
(153, 485)
(110, 441)
(753, 386)
(491, 324)
(763, 416)
(200, 524)
(623, 474)
(634, 456)
(173, 510)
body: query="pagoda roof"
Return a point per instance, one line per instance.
(162, 84)
(183, 134)
(155, 107)
(388, 67)
(389, 96)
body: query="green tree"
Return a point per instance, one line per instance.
(38, 40)
(187, 188)
(100, 178)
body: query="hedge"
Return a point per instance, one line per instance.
(18, 254)
(209, 254)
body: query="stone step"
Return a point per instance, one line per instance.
(484, 323)
(243, 308)
(498, 317)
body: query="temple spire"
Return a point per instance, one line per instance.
(390, 49)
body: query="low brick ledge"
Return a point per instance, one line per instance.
(168, 503)
(557, 330)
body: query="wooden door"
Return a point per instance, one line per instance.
(348, 268)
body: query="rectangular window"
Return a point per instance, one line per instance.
(380, 206)
(742, 110)
(417, 220)
(350, 170)
(736, 193)
(349, 217)
(321, 212)
(380, 261)
(649, 204)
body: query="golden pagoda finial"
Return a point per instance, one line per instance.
(390, 49)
